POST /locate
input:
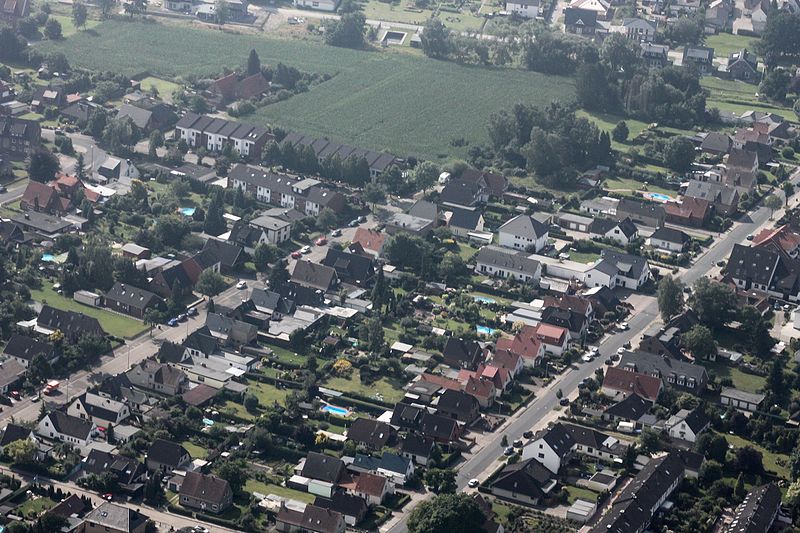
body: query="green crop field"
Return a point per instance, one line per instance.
(384, 100)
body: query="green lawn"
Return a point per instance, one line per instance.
(287, 356)
(266, 393)
(165, 88)
(741, 380)
(607, 122)
(382, 100)
(725, 43)
(114, 324)
(627, 184)
(391, 391)
(253, 485)
(68, 27)
(583, 257)
(197, 452)
(775, 462)
(738, 97)
(580, 493)
(34, 505)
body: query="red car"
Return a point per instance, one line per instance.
(322, 241)
(108, 496)
(296, 254)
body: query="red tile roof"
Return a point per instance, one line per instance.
(550, 334)
(371, 484)
(505, 359)
(480, 388)
(526, 343)
(784, 237)
(369, 239)
(691, 208)
(632, 382)
(442, 381)
(39, 195)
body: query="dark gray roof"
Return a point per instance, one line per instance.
(630, 266)
(271, 301)
(27, 348)
(584, 18)
(461, 353)
(323, 467)
(712, 192)
(459, 403)
(13, 433)
(671, 235)
(205, 487)
(635, 208)
(346, 504)
(425, 209)
(350, 267)
(314, 275)
(465, 218)
(602, 225)
(657, 365)
(42, 222)
(132, 296)
(111, 516)
(69, 322)
(558, 438)
(717, 142)
(370, 432)
(526, 477)
(633, 407)
(71, 425)
(416, 444)
(460, 192)
(524, 226)
(226, 253)
(437, 427)
(757, 512)
(224, 325)
(744, 159)
(697, 420)
(140, 117)
(757, 264)
(166, 452)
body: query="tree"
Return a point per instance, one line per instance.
(347, 32)
(221, 13)
(214, 223)
(43, 165)
(210, 283)
(792, 499)
(326, 219)
(788, 186)
(373, 194)
(593, 90)
(620, 54)
(775, 85)
(153, 490)
(234, 473)
(264, 254)
(435, 39)
(713, 446)
(620, 132)
(441, 480)
(52, 29)
(425, 175)
(755, 331)
(447, 513)
(670, 297)
(700, 342)
(452, 267)
(715, 303)
(649, 441)
(253, 63)
(80, 167)
(156, 140)
(21, 452)
(776, 383)
(375, 335)
(772, 202)
(748, 460)
(251, 403)
(79, 14)
(135, 7)
(378, 295)
(106, 6)
(278, 275)
(780, 36)
(678, 153)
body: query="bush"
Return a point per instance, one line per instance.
(788, 153)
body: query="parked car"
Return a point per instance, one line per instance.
(509, 450)
(624, 326)
(609, 362)
(621, 350)
(594, 350)
(305, 249)
(586, 358)
(182, 317)
(336, 233)
(296, 254)
(3, 188)
(353, 223)
(192, 311)
(750, 237)
(627, 345)
(322, 241)
(528, 434)
(721, 263)
(517, 443)
(472, 483)
(172, 322)
(563, 401)
(241, 285)
(108, 496)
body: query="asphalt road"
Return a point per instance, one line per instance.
(13, 193)
(481, 462)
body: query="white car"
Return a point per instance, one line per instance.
(594, 350)
(305, 249)
(586, 358)
(241, 285)
(620, 350)
(473, 483)
(624, 326)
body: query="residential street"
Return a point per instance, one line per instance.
(482, 463)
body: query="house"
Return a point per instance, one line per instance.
(716, 143)
(213, 133)
(350, 268)
(482, 389)
(205, 492)
(353, 508)
(574, 322)
(553, 446)
(11, 234)
(758, 18)
(464, 193)
(170, 276)
(44, 226)
(159, 377)
(459, 353)
(371, 434)
(164, 456)
(718, 15)
(523, 232)
(306, 195)
(12, 433)
(230, 88)
(670, 240)
(417, 448)
(462, 221)
(641, 213)
(686, 377)
(230, 331)
(702, 57)
(741, 160)
(312, 519)
(72, 324)
(13, 10)
(131, 301)
(602, 8)
(371, 241)
(503, 263)
(428, 211)
(526, 482)
(783, 239)
(148, 114)
(755, 267)
(58, 425)
(605, 205)
(441, 429)
(639, 30)
(743, 65)
(25, 349)
(391, 466)
(43, 198)
(619, 384)
(101, 410)
(632, 409)
(229, 256)
(19, 137)
(377, 162)
(373, 488)
(273, 230)
(687, 425)
(523, 8)
(574, 222)
(691, 212)
(744, 401)
(111, 518)
(403, 222)
(654, 55)
(511, 361)
(458, 405)
(129, 473)
(581, 21)
(633, 271)
(758, 510)
(634, 507)
(621, 232)
(314, 276)
(723, 198)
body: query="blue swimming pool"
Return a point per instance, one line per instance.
(485, 330)
(188, 211)
(208, 422)
(657, 196)
(484, 299)
(49, 258)
(339, 411)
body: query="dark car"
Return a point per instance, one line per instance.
(563, 401)
(517, 443)
(509, 451)
(528, 434)
(192, 311)
(609, 362)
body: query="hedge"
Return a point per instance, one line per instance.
(273, 381)
(230, 524)
(172, 508)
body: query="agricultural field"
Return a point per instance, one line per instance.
(738, 97)
(432, 106)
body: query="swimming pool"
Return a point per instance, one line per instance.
(484, 299)
(208, 422)
(657, 196)
(485, 330)
(338, 411)
(188, 211)
(49, 258)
